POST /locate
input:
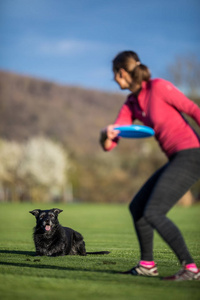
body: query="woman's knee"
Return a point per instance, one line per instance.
(149, 216)
(153, 216)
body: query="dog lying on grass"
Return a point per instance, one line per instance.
(52, 239)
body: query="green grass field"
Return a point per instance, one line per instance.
(104, 227)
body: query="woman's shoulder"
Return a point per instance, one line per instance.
(161, 84)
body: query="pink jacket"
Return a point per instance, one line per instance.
(160, 106)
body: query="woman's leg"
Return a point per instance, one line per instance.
(178, 176)
(143, 229)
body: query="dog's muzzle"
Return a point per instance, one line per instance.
(47, 227)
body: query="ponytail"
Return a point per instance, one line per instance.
(130, 62)
(140, 73)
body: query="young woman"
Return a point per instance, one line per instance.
(158, 104)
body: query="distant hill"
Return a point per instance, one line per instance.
(71, 115)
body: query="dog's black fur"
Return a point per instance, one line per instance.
(52, 239)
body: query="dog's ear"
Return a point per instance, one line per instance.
(56, 211)
(35, 212)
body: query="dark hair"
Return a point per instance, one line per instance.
(130, 62)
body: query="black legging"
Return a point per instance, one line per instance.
(151, 204)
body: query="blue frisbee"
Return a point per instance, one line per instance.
(135, 131)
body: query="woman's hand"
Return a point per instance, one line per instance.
(112, 132)
(107, 135)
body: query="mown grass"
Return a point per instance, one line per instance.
(94, 277)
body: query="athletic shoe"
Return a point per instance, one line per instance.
(142, 271)
(184, 274)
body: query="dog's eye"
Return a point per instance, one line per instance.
(51, 215)
(41, 217)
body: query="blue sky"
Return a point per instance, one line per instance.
(74, 41)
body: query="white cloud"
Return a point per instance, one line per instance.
(65, 47)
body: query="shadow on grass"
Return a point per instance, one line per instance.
(31, 253)
(49, 267)
(35, 263)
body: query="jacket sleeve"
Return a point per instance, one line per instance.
(125, 115)
(178, 100)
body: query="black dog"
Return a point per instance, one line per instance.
(52, 239)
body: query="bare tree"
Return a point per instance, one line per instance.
(36, 170)
(185, 73)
